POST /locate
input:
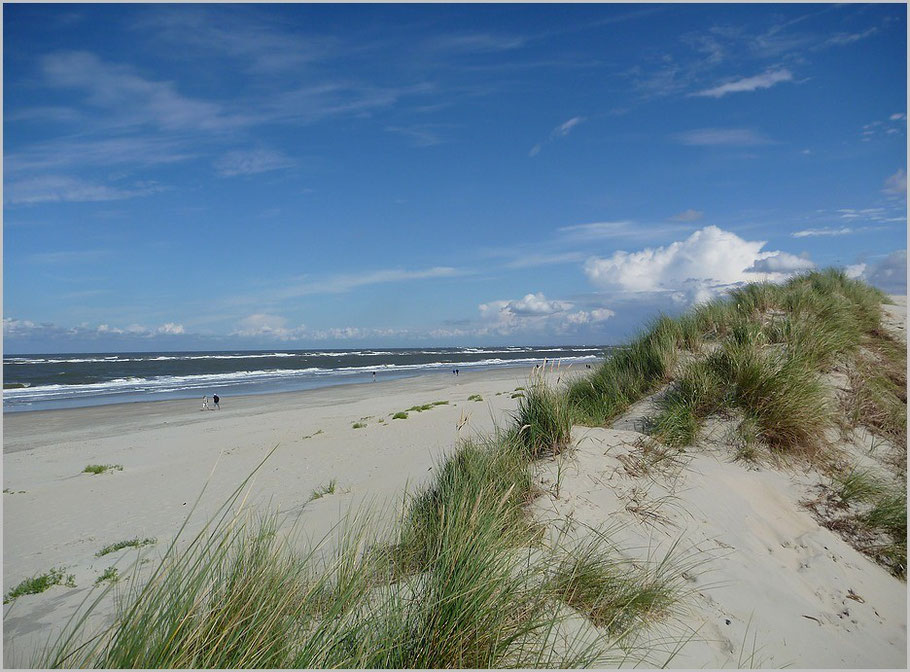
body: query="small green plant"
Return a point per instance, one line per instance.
(519, 389)
(324, 490)
(101, 468)
(440, 403)
(135, 542)
(359, 425)
(517, 395)
(7, 491)
(400, 415)
(40, 583)
(420, 409)
(475, 397)
(110, 574)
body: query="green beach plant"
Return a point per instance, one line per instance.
(101, 468)
(135, 542)
(39, 583)
(323, 490)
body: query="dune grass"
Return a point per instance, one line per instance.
(400, 415)
(543, 420)
(475, 397)
(358, 425)
(756, 353)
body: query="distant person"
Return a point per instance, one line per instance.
(216, 399)
(453, 372)
(457, 372)
(205, 403)
(374, 376)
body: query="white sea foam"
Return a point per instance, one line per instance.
(180, 383)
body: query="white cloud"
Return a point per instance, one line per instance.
(897, 116)
(890, 274)
(735, 137)
(537, 304)
(762, 81)
(263, 324)
(896, 185)
(250, 162)
(689, 215)
(781, 263)
(170, 328)
(695, 268)
(535, 312)
(824, 231)
(855, 270)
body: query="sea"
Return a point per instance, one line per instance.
(45, 381)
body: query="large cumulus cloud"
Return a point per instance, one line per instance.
(696, 268)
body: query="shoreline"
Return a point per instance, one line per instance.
(105, 420)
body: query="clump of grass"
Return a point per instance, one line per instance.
(486, 481)
(135, 542)
(519, 389)
(358, 425)
(40, 583)
(475, 397)
(543, 421)
(857, 486)
(697, 393)
(324, 490)
(517, 395)
(7, 491)
(101, 468)
(440, 403)
(613, 594)
(110, 574)
(628, 375)
(419, 409)
(400, 415)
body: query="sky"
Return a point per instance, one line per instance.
(180, 177)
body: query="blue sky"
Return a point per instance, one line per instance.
(256, 176)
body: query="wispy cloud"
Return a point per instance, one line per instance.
(689, 215)
(251, 162)
(763, 81)
(421, 135)
(825, 231)
(560, 131)
(731, 137)
(60, 188)
(896, 185)
(345, 282)
(67, 256)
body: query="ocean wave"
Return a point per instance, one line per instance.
(185, 383)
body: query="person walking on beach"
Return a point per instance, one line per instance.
(216, 399)
(205, 403)
(374, 376)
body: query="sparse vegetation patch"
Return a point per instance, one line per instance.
(40, 583)
(101, 468)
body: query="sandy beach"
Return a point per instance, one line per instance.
(170, 450)
(767, 585)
